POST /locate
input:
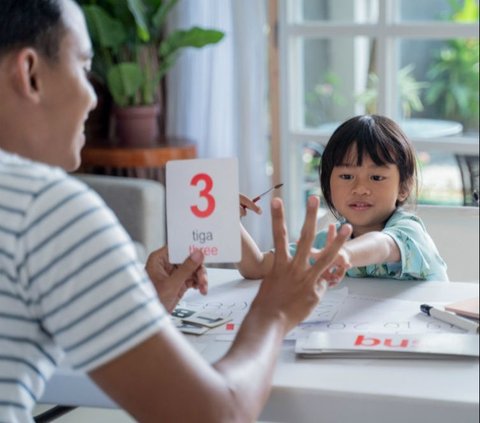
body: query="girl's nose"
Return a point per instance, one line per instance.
(361, 188)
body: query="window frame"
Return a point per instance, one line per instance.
(387, 31)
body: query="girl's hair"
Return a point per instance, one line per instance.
(376, 136)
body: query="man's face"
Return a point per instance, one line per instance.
(67, 95)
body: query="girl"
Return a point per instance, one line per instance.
(367, 173)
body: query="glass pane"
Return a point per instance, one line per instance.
(363, 11)
(438, 10)
(438, 85)
(308, 156)
(336, 86)
(440, 179)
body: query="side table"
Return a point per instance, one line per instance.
(137, 162)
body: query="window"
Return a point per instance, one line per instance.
(416, 62)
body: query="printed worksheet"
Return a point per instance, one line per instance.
(234, 304)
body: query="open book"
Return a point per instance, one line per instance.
(387, 345)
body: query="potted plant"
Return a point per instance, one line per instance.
(133, 54)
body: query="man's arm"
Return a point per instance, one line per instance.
(164, 377)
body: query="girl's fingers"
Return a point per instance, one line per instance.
(329, 253)
(246, 203)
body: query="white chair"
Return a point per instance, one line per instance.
(455, 232)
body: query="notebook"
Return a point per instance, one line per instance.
(468, 308)
(387, 345)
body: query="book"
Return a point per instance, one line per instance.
(387, 345)
(467, 308)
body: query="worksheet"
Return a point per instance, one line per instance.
(339, 311)
(234, 304)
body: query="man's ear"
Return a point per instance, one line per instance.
(26, 78)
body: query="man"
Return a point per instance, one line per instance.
(70, 283)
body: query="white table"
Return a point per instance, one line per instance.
(341, 390)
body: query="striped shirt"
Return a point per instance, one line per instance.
(70, 283)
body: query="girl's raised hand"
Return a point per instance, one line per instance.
(246, 203)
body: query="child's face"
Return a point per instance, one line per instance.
(365, 195)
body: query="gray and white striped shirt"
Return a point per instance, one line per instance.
(70, 282)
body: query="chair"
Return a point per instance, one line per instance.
(455, 231)
(139, 205)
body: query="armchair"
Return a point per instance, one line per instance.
(139, 205)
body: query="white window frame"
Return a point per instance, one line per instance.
(386, 31)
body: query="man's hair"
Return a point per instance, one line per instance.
(378, 137)
(31, 23)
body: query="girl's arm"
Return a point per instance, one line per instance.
(254, 264)
(372, 248)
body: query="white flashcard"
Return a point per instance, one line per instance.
(205, 318)
(203, 210)
(189, 328)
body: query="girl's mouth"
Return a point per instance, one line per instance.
(359, 205)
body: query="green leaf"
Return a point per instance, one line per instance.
(194, 37)
(104, 30)
(137, 8)
(124, 80)
(161, 13)
(469, 12)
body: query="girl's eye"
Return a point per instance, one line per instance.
(346, 177)
(378, 178)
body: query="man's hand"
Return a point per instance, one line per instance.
(294, 286)
(172, 281)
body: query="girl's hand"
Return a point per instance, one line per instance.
(246, 203)
(340, 264)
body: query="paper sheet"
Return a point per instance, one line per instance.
(338, 311)
(371, 314)
(235, 302)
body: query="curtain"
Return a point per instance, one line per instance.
(217, 95)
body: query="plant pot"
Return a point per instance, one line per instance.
(136, 126)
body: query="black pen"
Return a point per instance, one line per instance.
(453, 319)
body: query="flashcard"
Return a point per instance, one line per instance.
(181, 313)
(189, 328)
(203, 210)
(208, 319)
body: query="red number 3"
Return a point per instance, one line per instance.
(204, 193)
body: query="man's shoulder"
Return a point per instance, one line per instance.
(25, 176)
